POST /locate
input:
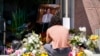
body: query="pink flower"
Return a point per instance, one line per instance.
(9, 50)
(70, 54)
(18, 52)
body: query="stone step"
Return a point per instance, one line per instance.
(96, 54)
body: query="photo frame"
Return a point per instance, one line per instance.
(54, 9)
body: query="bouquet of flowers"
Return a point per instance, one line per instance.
(75, 40)
(32, 46)
(92, 42)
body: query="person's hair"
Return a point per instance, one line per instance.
(55, 20)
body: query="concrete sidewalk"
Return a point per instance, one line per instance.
(96, 55)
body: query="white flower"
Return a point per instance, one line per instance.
(34, 51)
(82, 39)
(76, 37)
(88, 42)
(30, 40)
(41, 43)
(83, 29)
(32, 37)
(31, 48)
(37, 45)
(37, 41)
(24, 49)
(25, 40)
(88, 52)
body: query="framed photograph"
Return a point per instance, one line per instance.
(44, 8)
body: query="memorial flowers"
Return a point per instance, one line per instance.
(92, 42)
(31, 46)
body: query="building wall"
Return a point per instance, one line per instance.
(87, 13)
(1, 19)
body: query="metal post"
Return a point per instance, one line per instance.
(66, 19)
(73, 13)
(66, 8)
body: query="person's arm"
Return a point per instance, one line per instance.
(48, 38)
(68, 39)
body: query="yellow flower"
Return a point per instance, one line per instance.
(27, 54)
(94, 37)
(44, 54)
(80, 54)
(24, 54)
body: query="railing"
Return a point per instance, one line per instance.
(97, 32)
